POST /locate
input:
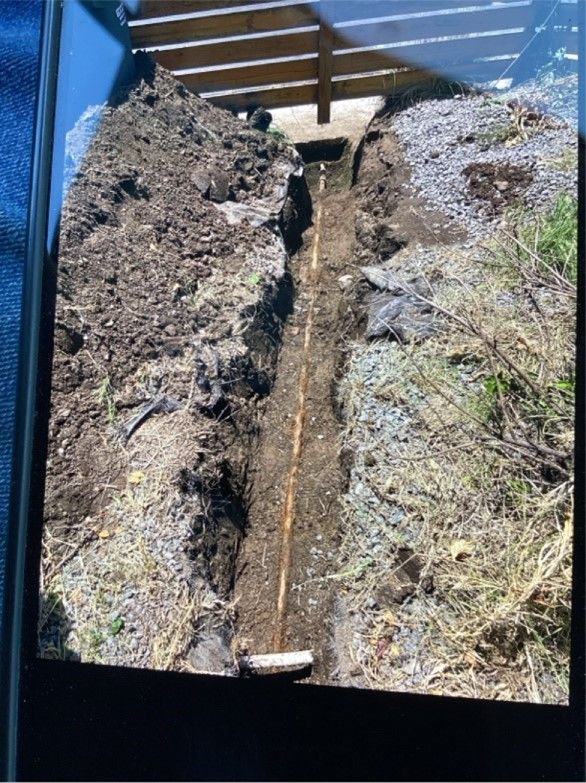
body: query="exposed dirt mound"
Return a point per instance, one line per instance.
(498, 184)
(172, 290)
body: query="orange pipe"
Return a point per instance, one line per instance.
(288, 515)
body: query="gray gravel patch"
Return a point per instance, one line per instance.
(442, 137)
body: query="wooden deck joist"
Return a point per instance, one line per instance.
(202, 26)
(289, 44)
(437, 55)
(279, 53)
(356, 87)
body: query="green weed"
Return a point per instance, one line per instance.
(553, 238)
(280, 135)
(105, 396)
(498, 133)
(116, 626)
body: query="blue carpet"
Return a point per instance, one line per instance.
(20, 27)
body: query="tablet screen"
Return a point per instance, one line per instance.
(313, 360)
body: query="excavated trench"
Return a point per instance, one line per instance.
(282, 589)
(221, 426)
(285, 589)
(217, 357)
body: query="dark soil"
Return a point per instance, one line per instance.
(161, 293)
(497, 184)
(388, 216)
(321, 479)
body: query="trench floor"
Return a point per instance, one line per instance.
(314, 543)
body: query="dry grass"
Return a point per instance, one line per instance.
(121, 596)
(476, 475)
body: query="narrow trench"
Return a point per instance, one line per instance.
(282, 590)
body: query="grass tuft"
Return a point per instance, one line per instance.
(553, 238)
(105, 396)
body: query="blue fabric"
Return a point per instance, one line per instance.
(20, 30)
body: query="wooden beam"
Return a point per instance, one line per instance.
(339, 11)
(226, 52)
(299, 43)
(299, 661)
(273, 98)
(298, 95)
(387, 84)
(429, 55)
(442, 56)
(324, 67)
(354, 10)
(202, 26)
(466, 22)
(251, 76)
(149, 9)
(361, 86)
(379, 84)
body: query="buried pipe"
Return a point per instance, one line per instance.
(288, 515)
(296, 664)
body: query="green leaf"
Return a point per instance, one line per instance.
(116, 626)
(495, 384)
(565, 384)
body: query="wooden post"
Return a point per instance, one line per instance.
(324, 68)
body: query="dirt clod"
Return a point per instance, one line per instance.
(499, 185)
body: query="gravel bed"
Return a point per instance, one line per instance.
(442, 137)
(378, 426)
(386, 412)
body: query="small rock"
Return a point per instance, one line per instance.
(259, 119)
(219, 187)
(394, 591)
(211, 652)
(345, 282)
(501, 185)
(427, 584)
(202, 181)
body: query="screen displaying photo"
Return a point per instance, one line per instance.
(312, 396)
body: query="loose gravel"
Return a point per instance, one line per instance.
(442, 138)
